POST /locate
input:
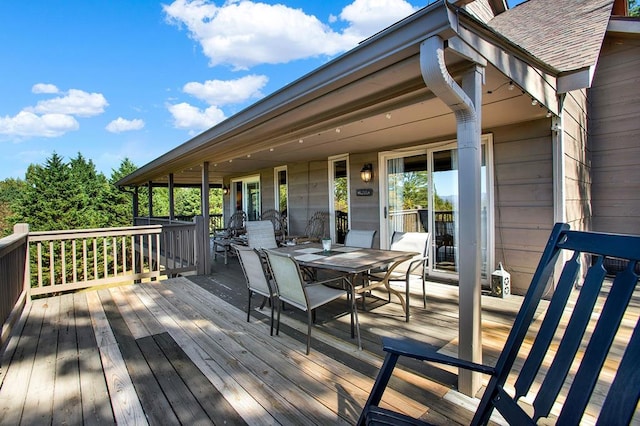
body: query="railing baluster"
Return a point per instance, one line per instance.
(39, 264)
(84, 259)
(52, 278)
(75, 261)
(64, 262)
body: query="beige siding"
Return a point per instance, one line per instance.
(577, 161)
(523, 197)
(614, 120)
(308, 193)
(365, 211)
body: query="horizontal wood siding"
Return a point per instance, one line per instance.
(523, 197)
(614, 122)
(308, 193)
(365, 211)
(577, 161)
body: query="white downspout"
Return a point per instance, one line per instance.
(463, 101)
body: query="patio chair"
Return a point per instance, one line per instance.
(306, 296)
(276, 219)
(402, 271)
(260, 234)
(222, 240)
(359, 238)
(256, 279)
(580, 337)
(316, 229)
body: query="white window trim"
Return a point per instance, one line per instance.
(332, 214)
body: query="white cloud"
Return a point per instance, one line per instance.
(53, 117)
(247, 33)
(224, 92)
(28, 124)
(187, 116)
(367, 17)
(75, 102)
(123, 125)
(44, 88)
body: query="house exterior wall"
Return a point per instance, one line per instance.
(577, 161)
(614, 139)
(523, 189)
(365, 211)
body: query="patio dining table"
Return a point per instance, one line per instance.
(350, 261)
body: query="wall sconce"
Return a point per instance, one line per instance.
(225, 190)
(366, 174)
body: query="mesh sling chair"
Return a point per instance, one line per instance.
(306, 296)
(260, 234)
(402, 271)
(256, 278)
(359, 238)
(570, 327)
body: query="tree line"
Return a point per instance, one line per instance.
(72, 194)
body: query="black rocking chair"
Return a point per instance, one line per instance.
(585, 341)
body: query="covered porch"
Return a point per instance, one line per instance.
(181, 351)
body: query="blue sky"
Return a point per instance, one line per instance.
(118, 78)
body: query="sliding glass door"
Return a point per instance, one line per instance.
(246, 196)
(420, 194)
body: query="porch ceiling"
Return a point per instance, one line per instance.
(370, 99)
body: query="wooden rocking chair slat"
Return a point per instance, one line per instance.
(622, 399)
(570, 343)
(550, 323)
(600, 343)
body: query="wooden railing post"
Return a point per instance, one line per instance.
(23, 228)
(202, 251)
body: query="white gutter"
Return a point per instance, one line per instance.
(463, 102)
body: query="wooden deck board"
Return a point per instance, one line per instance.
(39, 403)
(96, 405)
(210, 398)
(67, 401)
(154, 402)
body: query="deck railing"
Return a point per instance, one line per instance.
(74, 259)
(13, 295)
(181, 248)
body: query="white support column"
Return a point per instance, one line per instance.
(469, 241)
(466, 103)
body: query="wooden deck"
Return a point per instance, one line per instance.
(181, 352)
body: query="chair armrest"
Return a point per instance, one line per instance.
(420, 351)
(327, 281)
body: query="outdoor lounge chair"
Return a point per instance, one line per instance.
(257, 281)
(580, 338)
(306, 296)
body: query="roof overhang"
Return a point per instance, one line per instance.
(373, 95)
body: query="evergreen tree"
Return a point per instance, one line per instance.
(120, 200)
(10, 190)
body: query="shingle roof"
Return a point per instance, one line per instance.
(565, 34)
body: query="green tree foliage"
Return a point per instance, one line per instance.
(634, 8)
(10, 190)
(120, 200)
